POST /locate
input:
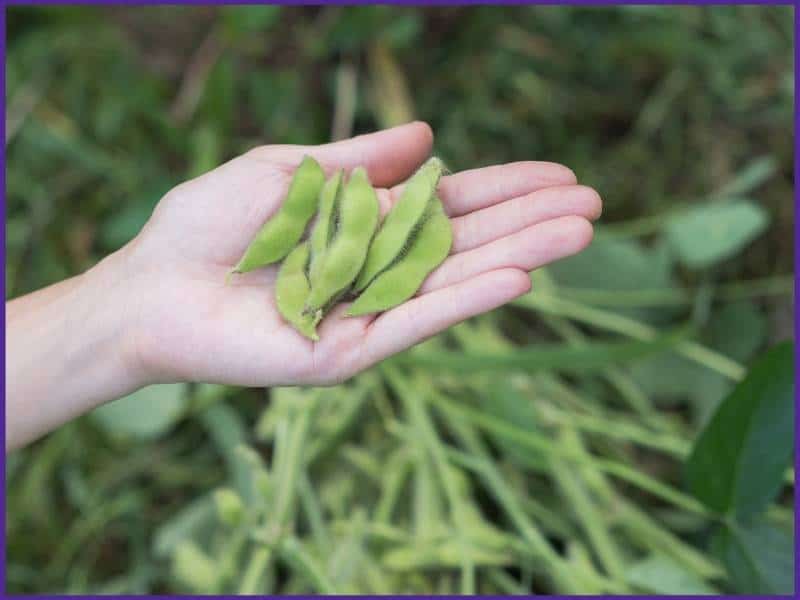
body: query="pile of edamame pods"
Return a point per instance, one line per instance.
(349, 253)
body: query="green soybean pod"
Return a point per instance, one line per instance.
(280, 234)
(292, 289)
(358, 218)
(325, 226)
(398, 283)
(401, 221)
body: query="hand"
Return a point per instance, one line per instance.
(186, 324)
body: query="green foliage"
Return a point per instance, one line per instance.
(146, 413)
(547, 457)
(759, 558)
(705, 235)
(737, 468)
(661, 575)
(738, 461)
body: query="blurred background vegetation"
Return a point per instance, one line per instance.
(539, 448)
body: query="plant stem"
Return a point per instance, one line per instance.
(585, 511)
(634, 329)
(739, 290)
(292, 553)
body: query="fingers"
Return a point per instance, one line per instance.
(475, 189)
(424, 316)
(483, 226)
(529, 249)
(390, 156)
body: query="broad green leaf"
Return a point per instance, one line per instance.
(751, 176)
(147, 413)
(759, 558)
(660, 574)
(609, 264)
(738, 462)
(614, 265)
(707, 234)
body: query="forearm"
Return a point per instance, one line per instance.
(68, 350)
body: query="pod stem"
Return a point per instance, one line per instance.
(230, 274)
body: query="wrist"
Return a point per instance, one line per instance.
(108, 293)
(73, 350)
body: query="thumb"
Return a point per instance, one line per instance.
(390, 156)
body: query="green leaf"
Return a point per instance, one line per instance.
(614, 265)
(751, 176)
(738, 462)
(660, 574)
(145, 414)
(609, 264)
(707, 234)
(759, 558)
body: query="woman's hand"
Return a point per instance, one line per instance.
(188, 325)
(158, 310)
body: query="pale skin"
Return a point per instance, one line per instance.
(158, 310)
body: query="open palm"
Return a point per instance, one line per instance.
(507, 220)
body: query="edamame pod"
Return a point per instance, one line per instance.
(325, 227)
(292, 289)
(402, 220)
(358, 218)
(280, 234)
(429, 247)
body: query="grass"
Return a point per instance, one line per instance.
(539, 448)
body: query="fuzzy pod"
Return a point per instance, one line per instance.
(292, 289)
(325, 226)
(358, 218)
(229, 506)
(402, 280)
(280, 234)
(400, 224)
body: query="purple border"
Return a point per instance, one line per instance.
(599, 3)
(796, 290)
(3, 284)
(393, 2)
